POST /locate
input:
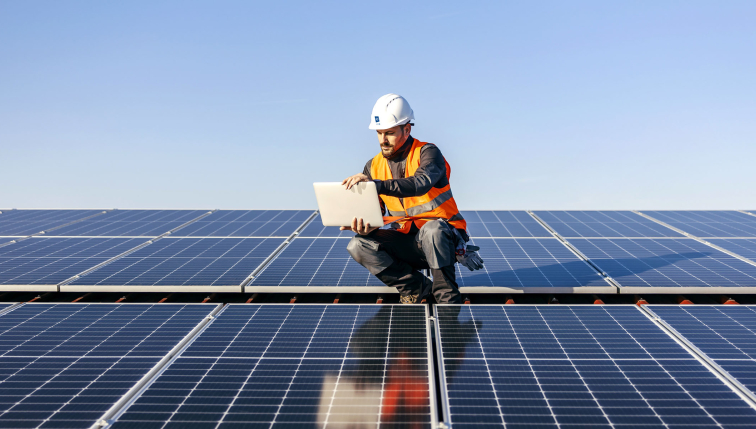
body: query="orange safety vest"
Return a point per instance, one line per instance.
(438, 203)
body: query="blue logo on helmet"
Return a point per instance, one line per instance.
(377, 120)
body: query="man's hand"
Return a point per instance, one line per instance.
(360, 227)
(353, 180)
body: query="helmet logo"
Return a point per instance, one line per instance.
(377, 120)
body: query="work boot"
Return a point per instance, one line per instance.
(408, 299)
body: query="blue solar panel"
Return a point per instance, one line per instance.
(246, 223)
(64, 365)
(5, 305)
(27, 222)
(603, 224)
(4, 240)
(315, 262)
(316, 229)
(296, 366)
(709, 223)
(745, 247)
(131, 223)
(725, 333)
(528, 264)
(575, 367)
(503, 223)
(50, 261)
(186, 262)
(667, 263)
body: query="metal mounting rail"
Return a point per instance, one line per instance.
(128, 252)
(37, 234)
(702, 357)
(276, 252)
(699, 239)
(129, 397)
(577, 252)
(747, 212)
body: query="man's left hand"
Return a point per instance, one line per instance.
(360, 227)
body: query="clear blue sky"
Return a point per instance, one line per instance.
(241, 104)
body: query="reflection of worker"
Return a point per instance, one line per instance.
(412, 179)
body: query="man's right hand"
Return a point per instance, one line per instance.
(353, 180)
(360, 227)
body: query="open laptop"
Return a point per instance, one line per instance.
(338, 206)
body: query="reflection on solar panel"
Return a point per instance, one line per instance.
(296, 366)
(183, 262)
(709, 223)
(4, 305)
(744, 247)
(503, 223)
(530, 265)
(648, 265)
(316, 229)
(131, 223)
(64, 365)
(246, 223)
(4, 240)
(725, 333)
(603, 224)
(576, 367)
(49, 261)
(315, 262)
(27, 222)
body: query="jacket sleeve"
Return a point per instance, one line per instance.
(432, 172)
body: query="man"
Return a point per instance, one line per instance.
(412, 179)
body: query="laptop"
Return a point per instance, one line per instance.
(338, 206)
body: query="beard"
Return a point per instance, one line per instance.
(387, 150)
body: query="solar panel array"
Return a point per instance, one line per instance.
(709, 223)
(297, 366)
(290, 250)
(726, 334)
(575, 367)
(64, 365)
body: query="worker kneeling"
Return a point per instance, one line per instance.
(426, 229)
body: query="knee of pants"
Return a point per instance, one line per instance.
(360, 247)
(437, 243)
(435, 230)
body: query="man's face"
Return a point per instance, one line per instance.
(392, 139)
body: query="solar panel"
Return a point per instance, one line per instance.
(182, 264)
(714, 223)
(246, 223)
(5, 305)
(27, 222)
(64, 365)
(575, 367)
(315, 262)
(297, 366)
(316, 229)
(668, 265)
(49, 261)
(4, 240)
(130, 223)
(725, 333)
(745, 247)
(603, 224)
(536, 265)
(503, 223)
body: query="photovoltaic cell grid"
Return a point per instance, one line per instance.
(130, 223)
(262, 366)
(315, 262)
(27, 222)
(576, 367)
(529, 263)
(503, 224)
(603, 224)
(725, 333)
(660, 263)
(246, 223)
(316, 229)
(53, 260)
(185, 262)
(709, 223)
(745, 247)
(64, 365)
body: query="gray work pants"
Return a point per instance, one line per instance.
(395, 258)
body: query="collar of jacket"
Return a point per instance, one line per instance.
(402, 152)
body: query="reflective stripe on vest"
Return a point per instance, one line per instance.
(437, 203)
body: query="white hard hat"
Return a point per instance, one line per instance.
(389, 111)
